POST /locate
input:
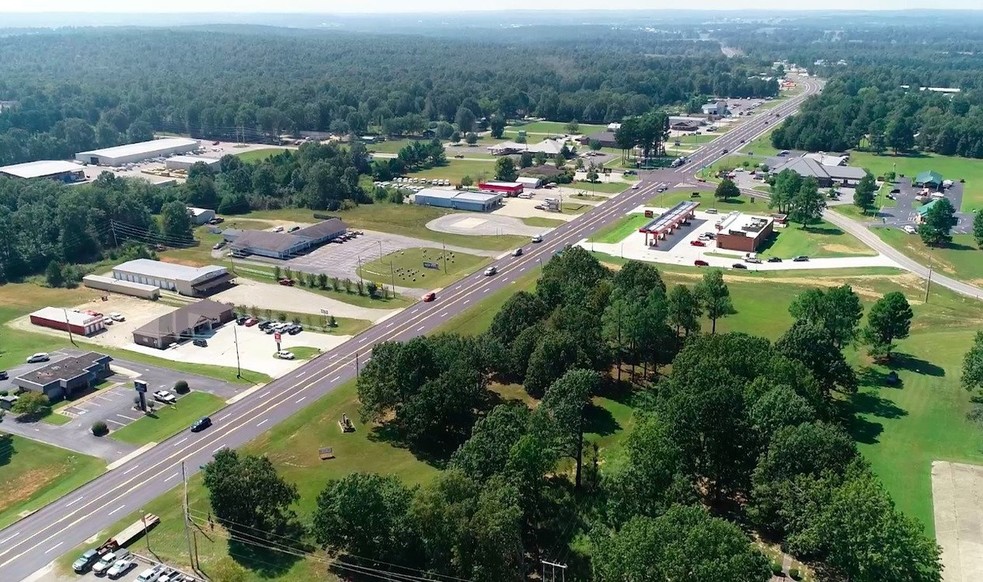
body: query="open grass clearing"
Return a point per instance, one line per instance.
(454, 170)
(259, 155)
(304, 352)
(555, 127)
(542, 221)
(404, 219)
(951, 167)
(168, 420)
(265, 274)
(620, 230)
(816, 240)
(761, 145)
(574, 207)
(605, 187)
(408, 267)
(961, 260)
(391, 146)
(35, 474)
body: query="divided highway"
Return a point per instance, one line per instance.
(33, 542)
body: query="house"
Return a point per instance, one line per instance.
(66, 377)
(685, 126)
(200, 216)
(282, 245)
(827, 176)
(828, 159)
(928, 179)
(183, 323)
(606, 138)
(506, 147)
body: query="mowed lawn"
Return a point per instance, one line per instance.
(605, 187)
(951, 167)
(960, 260)
(620, 230)
(168, 420)
(259, 155)
(407, 267)
(555, 127)
(816, 240)
(33, 474)
(479, 171)
(761, 146)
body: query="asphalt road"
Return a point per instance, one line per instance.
(33, 542)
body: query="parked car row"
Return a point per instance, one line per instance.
(347, 236)
(271, 327)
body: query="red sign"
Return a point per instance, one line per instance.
(276, 336)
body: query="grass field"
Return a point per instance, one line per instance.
(259, 155)
(542, 221)
(304, 352)
(265, 274)
(169, 420)
(404, 219)
(574, 207)
(555, 127)
(605, 187)
(761, 146)
(34, 474)
(457, 169)
(620, 230)
(817, 240)
(951, 167)
(391, 146)
(961, 260)
(407, 266)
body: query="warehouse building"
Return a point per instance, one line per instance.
(67, 377)
(200, 216)
(59, 170)
(182, 324)
(78, 322)
(740, 232)
(138, 152)
(529, 182)
(185, 162)
(282, 245)
(507, 188)
(189, 281)
(122, 287)
(458, 200)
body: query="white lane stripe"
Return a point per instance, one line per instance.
(301, 399)
(180, 441)
(7, 539)
(420, 328)
(72, 502)
(131, 469)
(224, 416)
(466, 301)
(117, 509)
(219, 449)
(53, 548)
(264, 421)
(171, 477)
(335, 379)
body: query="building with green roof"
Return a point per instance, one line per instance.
(928, 179)
(924, 208)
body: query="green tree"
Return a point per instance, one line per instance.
(808, 204)
(595, 145)
(863, 194)
(467, 182)
(684, 544)
(972, 375)
(714, 297)
(175, 223)
(505, 169)
(889, 319)
(815, 347)
(464, 119)
(471, 138)
(497, 125)
(555, 353)
(899, 134)
(572, 126)
(978, 229)
(783, 190)
(837, 310)
(936, 227)
(525, 160)
(684, 310)
(726, 190)
(31, 404)
(486, 452)
(519, 312)
(592, 175)
(559, 418)
(247, 495)
(779, 407)
(53, 275)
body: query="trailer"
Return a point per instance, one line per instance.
(130, 533)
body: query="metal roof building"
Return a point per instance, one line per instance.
(668, 221)
(190, 281)
(183, 323)
(137, 152)
(825, 175)
(282, 245)
(458, 200)
(52, 169)
(185, 162)
(78, 322)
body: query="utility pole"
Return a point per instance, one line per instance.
(444, 247)
(356, 364)
(928, 283)
(187, 519)
(553, 566)
(112, 226)
(68, 326)
(392, 273)
(235, 339)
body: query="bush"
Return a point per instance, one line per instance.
(776, 569)
(4, 393)
(32, 404)
(181, 387)
(99, 428)
(795, 574)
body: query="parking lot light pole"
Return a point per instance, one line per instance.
(235, 339)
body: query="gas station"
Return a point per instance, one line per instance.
(670, 220)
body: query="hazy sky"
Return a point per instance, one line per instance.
(349, 6)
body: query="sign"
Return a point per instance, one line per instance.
(276, 336)
(325, 312)
(140, 385)
(430, 265)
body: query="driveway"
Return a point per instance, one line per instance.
(490, 224)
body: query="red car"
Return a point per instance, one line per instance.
(701, 263)
(286, 282)
(251, 322)
(697, 243)
(429, 297)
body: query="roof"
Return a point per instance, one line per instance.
(40, 168)
(73, 317)
(670, 217)
(173, 271)
(811, 168)
(927, 177)
(195, 160)
(459, 195)
(322, 229)
(827, 159)
(527, 180)
(199, 211)
(737, 222)
(129, 284)
(144, 147)
(508, 145)
(501, 184)
(547, 146)
(279, 242)
(64, 369)
(184, 319)
(924, 208)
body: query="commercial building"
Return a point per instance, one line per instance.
(507, 147)
(923, 211)
(78, 322)
(507, 188)
(59, 170)
(740, 232)
(716, 109)
(122, 287)
(183, 324)
(281, 245)
(661, 226)
(200, 216)
(685, 126)
(605, 138)
(826, 175)
(189, 281)
(67, 377)
(928, 179)
(828, 159)
(458, 200)
(138, 152)
(529, 182)
(185, 162)
(549, 147)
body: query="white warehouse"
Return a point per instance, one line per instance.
(185, 162)
(138, 152)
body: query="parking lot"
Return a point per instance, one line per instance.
(904, 212)
(139, 555)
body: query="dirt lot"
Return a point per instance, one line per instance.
(956, 491)
(266, 295)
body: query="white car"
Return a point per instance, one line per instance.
(165, 397)
(634, 186)
(538, 238)
(120, 567)
(116, 316)
(490, 271)
(910, 229)
(38, 357)
(285, 355)
(107, 321)
(151, 574)
(107, 561)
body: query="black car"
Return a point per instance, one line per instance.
(200, 343)
(3, 375)
(774, 260)
(241, 320)
(739, 266)
(294, 329)
(725, 151)
(800, 259)
(201, 424)
(264, 324)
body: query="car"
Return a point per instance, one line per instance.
(294, 228)
(278, 229)
(84, 562)
(895, 191)
(107, 561)
(165, 397)
(490, 271)
(107, 321)
(200, 343)
(3, 375)
(739, 266)
(753, 260)
(216, 143)
(241, 320)
(201, 424)
(742, 141)
(270, 330)
(697, 243)
(701, 263)
(428, 297)
(120, 567)
(38, 357)
(910, 229)
(264, 324)
(701, 179)
(774, 259)
(284, 355)
(218, 246)
(517, 253)
(711, 211)
(660, 189)
(151, 574)
(725, 151)
(538, 238)
(116, 316)
(800, 259)
(286, 282)
(459, 156)
(634, 186)
(295, 329)
(251, 322)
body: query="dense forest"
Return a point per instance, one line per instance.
(76, 90)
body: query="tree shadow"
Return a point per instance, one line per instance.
(6, 449)
(954, 246)
(915, 364)
(265, 562)
(876, 405)
(822, 230)
(390, 434)
(865, 431)
(621, 392)
(600, 421)
(871, 376)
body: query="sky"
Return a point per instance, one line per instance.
(392, 6)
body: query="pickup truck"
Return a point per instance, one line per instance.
(165, 397)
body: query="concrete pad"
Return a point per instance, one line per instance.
(470, 222)
(490, 224)
(956, 491)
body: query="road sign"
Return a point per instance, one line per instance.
(430, 265)
(140, 385)
(325, 312)
(276, 336)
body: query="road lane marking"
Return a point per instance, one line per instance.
(180, 441)
(466, 301)
(262, 423)
(72, 502)
(130, 470)
(7, 539)
(171, 477)
(224, 416)
(335, 379)
(301, 399)
(218, 449)
(53, 548)
(117, 509)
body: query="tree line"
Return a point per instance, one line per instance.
(738, 432)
